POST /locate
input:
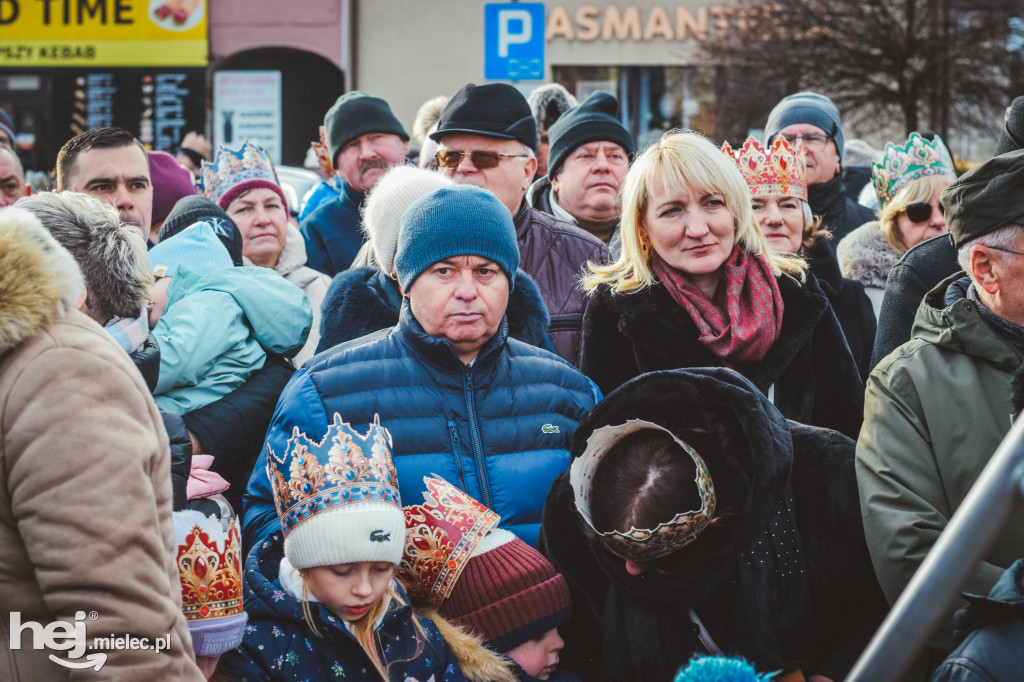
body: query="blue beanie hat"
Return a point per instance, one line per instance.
(595, 119)
(809, 108)
(461, 220)
(196, 247)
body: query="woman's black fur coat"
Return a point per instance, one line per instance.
(815, 378)
(783, 577)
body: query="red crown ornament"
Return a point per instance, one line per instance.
(211, 573)
(440, 536)
(779, 170)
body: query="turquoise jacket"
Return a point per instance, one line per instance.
(218, 328)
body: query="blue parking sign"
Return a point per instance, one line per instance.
(514, 41)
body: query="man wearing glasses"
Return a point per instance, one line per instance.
(487, 136)
(938, 406)
(814, 119)
(364, 140)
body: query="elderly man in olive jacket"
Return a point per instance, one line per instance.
(938, 406)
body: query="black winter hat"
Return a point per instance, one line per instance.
(354, 114)
(492, 110)
(191, 210)
(595, 119)
(1012, 136)
(985, 198)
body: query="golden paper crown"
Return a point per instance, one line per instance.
(440, 536)
(781, 170)
(918, 158)
(210, 569)
(345, 467)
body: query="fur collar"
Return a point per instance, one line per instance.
(39, 280)
(478, 663)
(865, 256)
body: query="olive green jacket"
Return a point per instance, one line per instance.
(935, 410)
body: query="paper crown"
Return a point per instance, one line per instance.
(440, 536)
(250, 166)
(917, 158)
(779, 170)
(344, 468)
(210, 568)
(641, 544)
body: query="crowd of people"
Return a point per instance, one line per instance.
(528, 404)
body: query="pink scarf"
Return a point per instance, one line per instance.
(751, 320)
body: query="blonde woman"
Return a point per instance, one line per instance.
(696, 285)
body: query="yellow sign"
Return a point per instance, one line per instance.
(103, 33)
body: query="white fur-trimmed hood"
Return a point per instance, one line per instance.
(865, 256)
(39, 279)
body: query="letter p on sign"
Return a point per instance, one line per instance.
(514, 41)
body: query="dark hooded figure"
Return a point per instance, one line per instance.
(769, 563)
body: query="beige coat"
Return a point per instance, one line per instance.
(85, 491)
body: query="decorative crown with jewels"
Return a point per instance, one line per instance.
(778, 170)
(343, 468)
(440, 536)
(917, 158)
(250, 165)
(211, 572)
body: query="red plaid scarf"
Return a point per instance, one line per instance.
(751, 320)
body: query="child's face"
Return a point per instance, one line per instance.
(539, 657)
(159, 304)
(349, 591)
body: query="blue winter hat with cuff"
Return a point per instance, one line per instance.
(461, 220)
(808, 108)
(196, 247)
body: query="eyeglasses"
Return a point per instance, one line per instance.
(812, 143)
(921, 211)
(999, 248)
(480, 158)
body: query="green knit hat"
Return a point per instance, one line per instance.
(354, 114)
(595, 119)
(461, 220)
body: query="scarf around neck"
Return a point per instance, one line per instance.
(742, 330)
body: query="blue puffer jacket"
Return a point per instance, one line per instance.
(500, 429)
(279, 645)
(333, 232)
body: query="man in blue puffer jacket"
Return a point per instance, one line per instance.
(460, 398)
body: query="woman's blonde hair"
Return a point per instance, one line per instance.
(681, 158)
(913, 192)
(363, 629)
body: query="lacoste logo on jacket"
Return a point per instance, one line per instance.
(380, 536)
(549, 428)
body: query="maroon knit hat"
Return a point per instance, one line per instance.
(170, 183)
(508, 593)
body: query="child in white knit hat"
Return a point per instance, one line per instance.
(322, 600)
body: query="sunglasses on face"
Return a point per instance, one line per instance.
(480, 158)
(920, 212)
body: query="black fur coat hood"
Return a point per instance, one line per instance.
(770, 475)
(363, 300)
(809, 369)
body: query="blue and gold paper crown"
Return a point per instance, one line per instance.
(232, 172)
(344, 468)
(916, 159)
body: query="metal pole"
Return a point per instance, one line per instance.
(961, 546)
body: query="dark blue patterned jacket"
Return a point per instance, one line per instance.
(279, 645)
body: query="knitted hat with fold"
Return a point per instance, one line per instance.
(355, 114)
(171, 182)
(809, 108)
(595, 119)
(197, 208)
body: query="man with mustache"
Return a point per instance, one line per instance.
(364, 139)
(587, 161)
(110, 165)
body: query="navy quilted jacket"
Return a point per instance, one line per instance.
(499, 429)
(279, 645)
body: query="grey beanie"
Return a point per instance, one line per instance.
(809, 108)
(461, 220)
(388, 201)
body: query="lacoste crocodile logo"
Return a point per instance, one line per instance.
(549, 428)
(380, 536)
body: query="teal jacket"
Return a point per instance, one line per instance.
(217, 330)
